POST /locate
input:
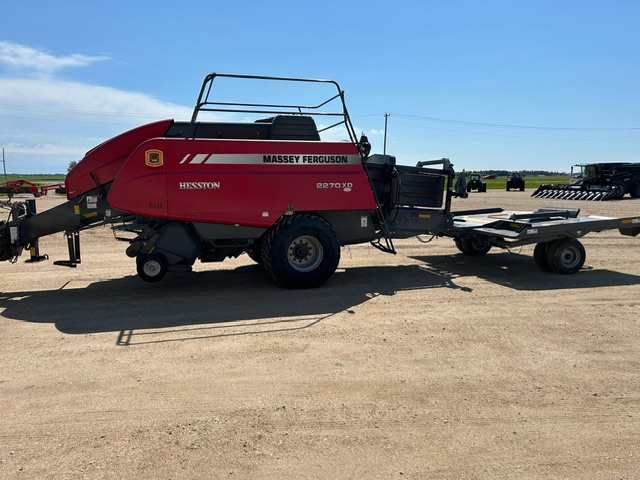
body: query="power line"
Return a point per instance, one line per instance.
(500, 125)
(513, 136)
(68, 111)
(503, 125)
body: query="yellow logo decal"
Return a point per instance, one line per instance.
(153, 158)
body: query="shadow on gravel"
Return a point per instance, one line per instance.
(245, 296)
(245, 301)
(521, 273)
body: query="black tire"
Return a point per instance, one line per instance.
(618, 191)
(634, 191)
(540, 256)
(302, 251)
(152, 267)
(475, 246)
(522, 187)
(566, 256)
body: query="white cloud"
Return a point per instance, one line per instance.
(56, 150)
(74, 98)
(46, 122)
(21, 57)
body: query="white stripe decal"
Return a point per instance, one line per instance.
(199, 158)
(263, 159)
(233, 158)
(185, 158)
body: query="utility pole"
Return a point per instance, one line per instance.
(386, 116)
(4, 165)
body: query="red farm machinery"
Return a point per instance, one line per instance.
(16, 187)
(279, 186)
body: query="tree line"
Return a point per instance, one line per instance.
(526, 173)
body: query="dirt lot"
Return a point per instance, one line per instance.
(423, 365)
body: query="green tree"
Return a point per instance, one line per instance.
(72, 164)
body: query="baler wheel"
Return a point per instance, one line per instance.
(301, 252)
(151, 267)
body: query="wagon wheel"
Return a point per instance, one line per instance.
(540, 256)
(475, 246)
(301, 252)
(566, 256)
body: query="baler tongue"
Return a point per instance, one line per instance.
(575, 192)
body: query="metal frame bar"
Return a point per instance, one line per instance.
(204, 104)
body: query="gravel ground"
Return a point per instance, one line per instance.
(421, 365)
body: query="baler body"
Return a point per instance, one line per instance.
(271, 187)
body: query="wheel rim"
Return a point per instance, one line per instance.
(304, 253)
(152, 268)
(570, 257)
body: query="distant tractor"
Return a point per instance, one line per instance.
(515, 181)
(476, 183)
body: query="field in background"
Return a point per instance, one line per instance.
(530, 182)
(499, 183)
(35, 178)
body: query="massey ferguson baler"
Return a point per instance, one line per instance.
(270, 187)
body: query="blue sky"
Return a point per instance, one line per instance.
(494, 84)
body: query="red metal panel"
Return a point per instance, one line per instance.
(246, 182)
(104, 161)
